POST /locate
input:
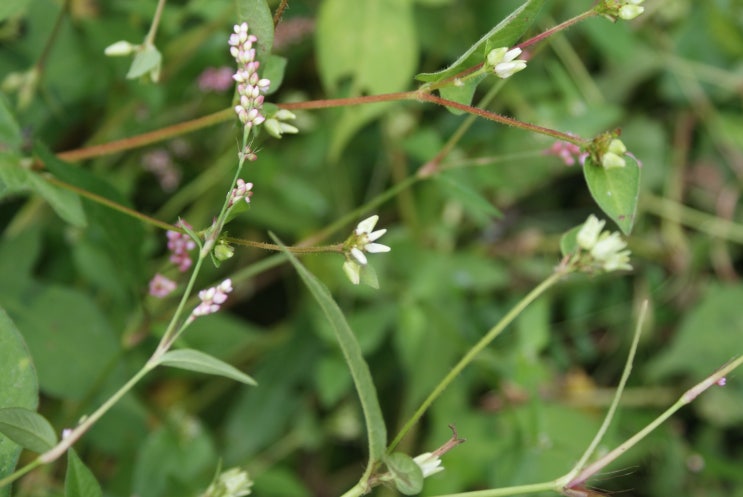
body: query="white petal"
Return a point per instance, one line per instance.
(375, 248)
(359, 256)
(375, 235)
(367, 224)
(512, 54)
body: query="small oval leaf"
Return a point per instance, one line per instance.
(193, 360)
(79, 480)
(27, 428)
(615, 190)
(408, 476)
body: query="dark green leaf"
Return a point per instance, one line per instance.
(615, 190)
(376, 430)
(260, 22)
(79, 480)
(27, 428)
(407, 474)
(18, 387)
(193, 360)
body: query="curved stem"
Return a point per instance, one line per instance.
(472, 353)
(150, 38)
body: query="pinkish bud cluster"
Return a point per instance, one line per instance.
(212, 298)
(179, 245)
(160, 286)
(566, 151)
(250, 86)
(241, 192)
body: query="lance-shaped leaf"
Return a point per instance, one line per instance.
(193, 360)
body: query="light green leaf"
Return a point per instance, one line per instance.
(27, 428)
(147, 60)
(273, 69)
(18, 387)
(14, 178)
(79, 480)
(11, 8)
(373, 43)
(376, 430)
(505, 34)
(407, 474)
(193, 360)
(260, 21)
(615, 190)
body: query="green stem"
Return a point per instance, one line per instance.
(516, 490)
(150, 38)
(685, 399)
(472, 353)
(618, 395)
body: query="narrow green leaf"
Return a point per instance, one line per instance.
(260, 21)
(615, 190)
(27, 428)
(193, 360)
(10, 131)
(376, 430)
(408, 476)
(504, 34)
(79, 480)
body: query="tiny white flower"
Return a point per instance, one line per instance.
(629, 12)
(504, 62)
(607, 246)
(589, 233)
(429, 464)
(362, 240)
(120, 49)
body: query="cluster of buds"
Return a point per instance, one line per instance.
(603, 250)
(276, 125)
(242, 191)
(250, 86)
(362, 240)
(180, 244)
(212, 299)
(504, 62)
(233, 482)
(613, 157)
(623, 9)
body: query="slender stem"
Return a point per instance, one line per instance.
(556, 29)
(472, 353)
(67, 442)
(618, 395)
(150, 38)
(51, 41)
(279, 12)
(505, 491)
(20, 472)
(685, 399)
(147, 138)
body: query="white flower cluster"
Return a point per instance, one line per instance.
(362, 240)
(606, 249)
(233, 482)
(250, 86)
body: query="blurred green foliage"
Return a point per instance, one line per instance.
(466, 245)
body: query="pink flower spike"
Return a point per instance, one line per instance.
(160, 286)
(212, 298)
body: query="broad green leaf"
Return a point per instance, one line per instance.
(407, 474)
(505, 34)
(70, 338)
(18, 387)
(372, 43)
(79, 480)
(376, 430)
(11, 8)
(14, 178)
(10, 131)
(27, 428)
(615, 190)
(260, 21)
(147, 60)
(193, 360)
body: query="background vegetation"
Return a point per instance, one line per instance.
(466, 245)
